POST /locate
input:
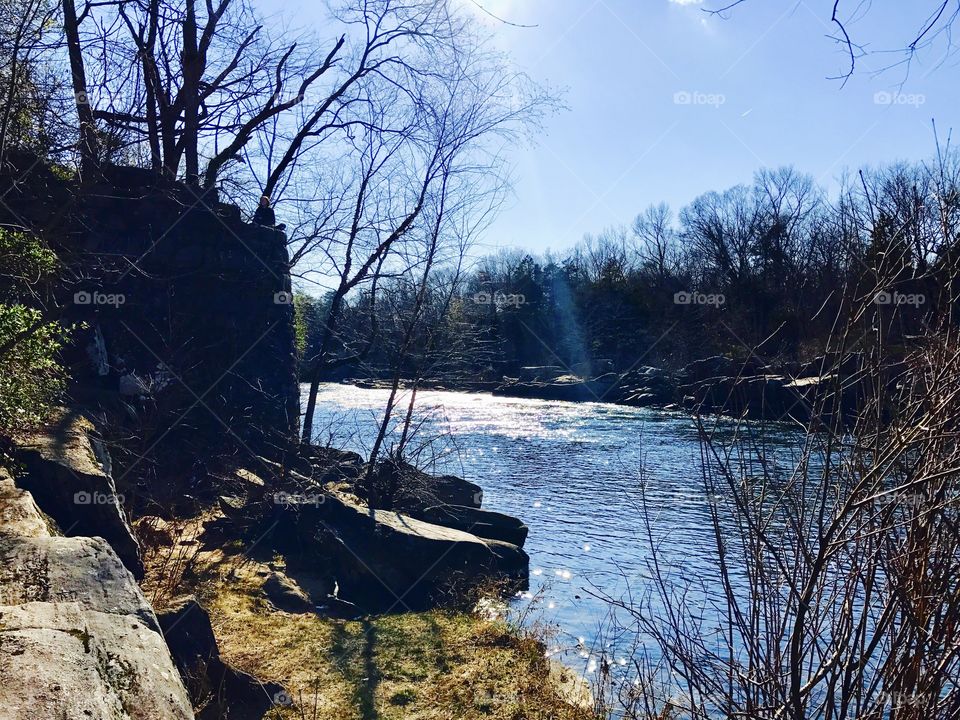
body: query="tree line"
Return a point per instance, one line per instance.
(758, 269)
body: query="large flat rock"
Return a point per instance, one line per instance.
(78, 640)
(387, 560)
(61, 660)
(482, 523)
(84, 571)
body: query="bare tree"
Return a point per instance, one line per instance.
(457, 104)
(89, 146)
(657, 245)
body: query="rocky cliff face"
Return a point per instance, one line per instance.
(77, 637)
(187, 345)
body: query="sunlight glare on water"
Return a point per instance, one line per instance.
(571, 472)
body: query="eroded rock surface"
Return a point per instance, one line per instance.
(77, 637)
(69, 476)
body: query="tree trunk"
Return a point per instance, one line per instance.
(89, 150)
(191, 95)
(316, 372)
(149, 81)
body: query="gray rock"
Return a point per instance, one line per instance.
(84, 571)
(60, 660)
(482, 523)
(69, 476)
(403, 487)
(386, 560)
(19, 514)
(711, 367)
(77, 637)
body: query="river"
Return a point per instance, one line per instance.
(579, 475)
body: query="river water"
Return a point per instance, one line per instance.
(579, 475)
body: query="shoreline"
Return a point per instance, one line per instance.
(718, 385)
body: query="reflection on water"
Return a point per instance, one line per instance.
(572, 472)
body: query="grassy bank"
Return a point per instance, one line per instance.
(429, 665)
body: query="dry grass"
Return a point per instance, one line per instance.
(419, 666)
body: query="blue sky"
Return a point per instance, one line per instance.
(666, 102)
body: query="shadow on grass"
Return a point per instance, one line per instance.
(355, 658)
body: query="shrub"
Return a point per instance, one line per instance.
(31, 377)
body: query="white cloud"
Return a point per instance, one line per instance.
(686, 2)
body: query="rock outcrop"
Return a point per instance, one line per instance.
(784, 391)
(68, 472)
(187, 339)
(387, 561)
(482, 523)
(77, 637)
(395, 485)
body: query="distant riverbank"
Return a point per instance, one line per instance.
(715, 385)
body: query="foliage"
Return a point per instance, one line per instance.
(308, 315)
(24, 260)
(31, 378)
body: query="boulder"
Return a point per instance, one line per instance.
(333, 461)
(222, 690)
(707, 368)
(155, 532)
(19, 514)
(79, 570)
(567, 388)
(384, 560)
(482, 523)
(63, 660)
(77, 637)
(401, 486)
(68, 473)
(769, 397)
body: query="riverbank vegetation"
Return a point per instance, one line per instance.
(832, 593)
